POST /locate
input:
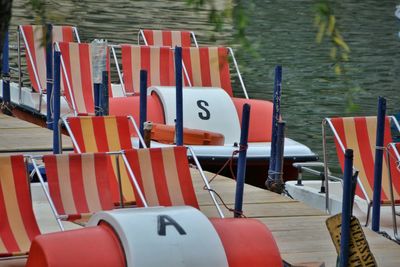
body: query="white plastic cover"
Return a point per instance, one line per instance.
(173, 236)
(99, 59)
(205, 108)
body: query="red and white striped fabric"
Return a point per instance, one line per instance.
(158, 61)
(208, 67)
(167, 38)
(105, 134)
(18, 224)
(79, 184)
(163, 176)
(359, 134)
(77, 79)
(34, 41)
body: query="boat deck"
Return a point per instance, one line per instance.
(299, 230)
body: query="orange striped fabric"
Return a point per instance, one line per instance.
(105, 134)
(78, 68)
(167, 38)
(359, 134)
(158, 61)
(208, 67)
(163, 176)
(36, 50)
(78, 183)
(18, 224)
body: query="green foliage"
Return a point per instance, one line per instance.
(327, 27)
(39, 8)
(233, 11)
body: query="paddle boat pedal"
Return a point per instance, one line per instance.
(173, 236)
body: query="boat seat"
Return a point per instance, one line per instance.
(358, 134)
(32, 37)
(77, 68)
(167, 38)
(162, 177)
(18, 225)
(209, 67)
(78, 185)
(158, 61)
(92, 134)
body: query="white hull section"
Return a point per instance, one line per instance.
(310, 194)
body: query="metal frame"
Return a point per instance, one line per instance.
(393, 204)
(238, 72)
(20, 33)
(58, 217)
(141, 34)
(367, 199)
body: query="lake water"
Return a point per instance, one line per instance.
(282, 32)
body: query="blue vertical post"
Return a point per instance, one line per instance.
(346, 208)
(103, 94)
(97, 96)
(279, 155)
(179, 96)
(6, 71)
(276, 112)
(143, 102)
(241, 169)
(49, 73)
(380, 132)
(56, 104)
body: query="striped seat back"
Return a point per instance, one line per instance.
(359, 134)
(158, 61)
(33, 37)
(208, 67)
(77, 76)
(78, 183)
(18, 225)
(163, 176)
(166, 38)
(105, 134)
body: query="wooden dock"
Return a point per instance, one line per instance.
(299, 230)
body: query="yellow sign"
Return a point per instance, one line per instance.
(360, 254)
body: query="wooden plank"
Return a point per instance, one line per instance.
(8, 122)
(300, 223)
(226, 188)
(19, 136)
(258, 210)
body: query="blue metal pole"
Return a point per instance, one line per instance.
(6, 71)
(49, 73)
(279, 154)
(56, 104)
(103, 96)
(346, 208)
(241, 169)
(380, 132)
(276, 112)
(143, 102)
(179, 96)
(97, 95)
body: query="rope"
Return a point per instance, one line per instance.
(230, 162)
